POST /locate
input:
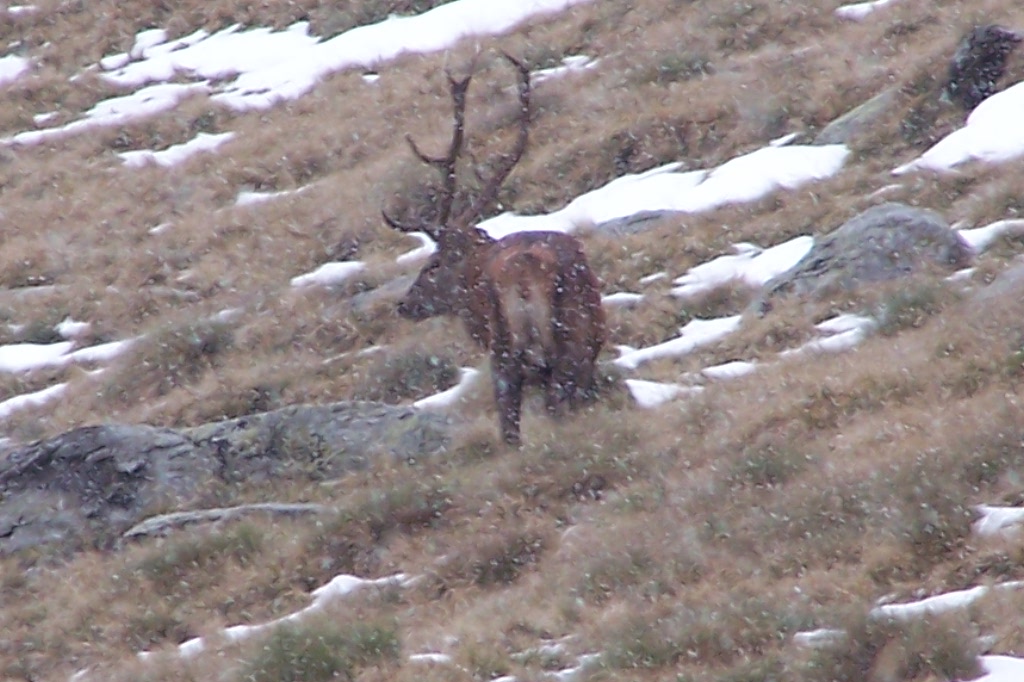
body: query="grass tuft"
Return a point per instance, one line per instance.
(171, 564)
(396, 376)
(320, 651)
(944, 647)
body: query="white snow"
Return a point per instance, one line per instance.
(467, 378)
(729, 370)
(832, 344)
(26, 357)
(650, 394)
(621, 299)
(254, 198)
(44, 118)
(750, 264)
(70, 328)
(570, 64)
(367, 46)
(1001, 669)
(338, 587)
(695, 334)
(222, 55)
(18, 402)
(11, 67)
(940, 603)
(745, 178)
(427, 246)
(259, 67)
(329, 274)
(117, 111)
(844, 323)
(103, 352)
(653, 277)
(784, 140)
(431, 657)
(997, 521)
(175, 154)
(860, 10)
(584, 665)
(145, 40)
(992, 134)
(820, 638)
(23, 357)
(980, 238)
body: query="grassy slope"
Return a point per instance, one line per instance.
(704, 534)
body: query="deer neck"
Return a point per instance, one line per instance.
(475, 306)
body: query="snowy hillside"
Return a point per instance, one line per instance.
(823, 487)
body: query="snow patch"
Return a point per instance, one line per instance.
(992, 134)
(329, 274)
(175, 154)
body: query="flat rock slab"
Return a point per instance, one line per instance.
(89, 485)
(858, 121)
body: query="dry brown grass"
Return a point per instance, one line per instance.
(688, 542)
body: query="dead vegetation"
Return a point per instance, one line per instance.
(690, 542)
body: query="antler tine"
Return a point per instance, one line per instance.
(393, 223)
(447, 164)
(489, 193)
(458, 88)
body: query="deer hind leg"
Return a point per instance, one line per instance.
(571, 379)
(554, 393)
(508, 394)
(564, 387)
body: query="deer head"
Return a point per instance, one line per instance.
(441, 287)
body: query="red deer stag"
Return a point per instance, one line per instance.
(530, 298)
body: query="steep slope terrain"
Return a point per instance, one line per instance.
(190, 231)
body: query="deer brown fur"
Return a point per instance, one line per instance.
(531, 298)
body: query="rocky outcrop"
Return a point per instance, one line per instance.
(87, 486)
(883, 243)
(978, 63)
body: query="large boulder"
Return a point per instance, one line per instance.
(89, 485)
(94, 480)
(978, 63)
(883, 243)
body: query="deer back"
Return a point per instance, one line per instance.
(532, 295)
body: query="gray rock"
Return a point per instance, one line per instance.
(89, 485)
(859, 120)
(94, 481)
(321, 441)
(1010, 282)
(636, 223)
(979, 62)
(390, 292)
(882, 243)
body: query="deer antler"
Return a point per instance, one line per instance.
(447, 164)
(489, 194)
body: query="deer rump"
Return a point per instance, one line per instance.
(543, 322)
